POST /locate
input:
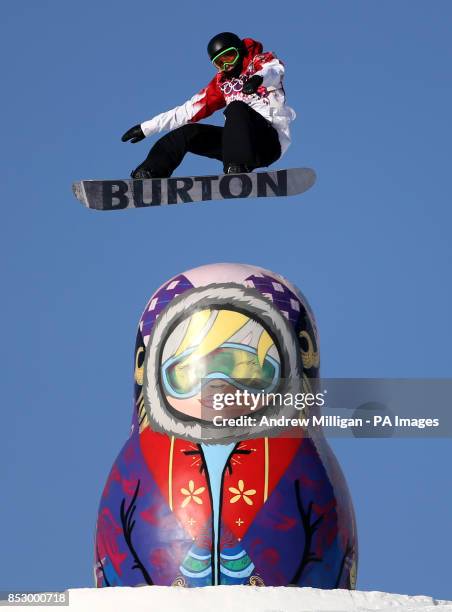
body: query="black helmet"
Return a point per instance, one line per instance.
(223, 41)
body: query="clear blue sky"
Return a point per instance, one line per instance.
(370, 246)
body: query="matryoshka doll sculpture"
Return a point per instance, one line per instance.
(199, 496)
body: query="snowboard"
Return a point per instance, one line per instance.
(133, 193)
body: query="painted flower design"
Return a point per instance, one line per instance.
(192, 494)
(240, 492)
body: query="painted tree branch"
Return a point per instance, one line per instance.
(309, 530)
(128, 523)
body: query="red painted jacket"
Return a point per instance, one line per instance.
(269, 100)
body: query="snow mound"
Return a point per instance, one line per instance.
(242, 599)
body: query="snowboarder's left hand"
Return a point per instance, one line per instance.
(135, 134)
(253, 84)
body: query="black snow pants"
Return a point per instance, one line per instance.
(247, 138)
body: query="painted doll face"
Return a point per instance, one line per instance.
(218, 352)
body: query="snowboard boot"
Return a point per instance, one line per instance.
(143, 173)
(237, 169)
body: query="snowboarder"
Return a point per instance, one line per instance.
(256, 133)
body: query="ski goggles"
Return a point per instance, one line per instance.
(236, 364)
(227, 57)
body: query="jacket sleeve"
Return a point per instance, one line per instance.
(270, 68)
(201, 105)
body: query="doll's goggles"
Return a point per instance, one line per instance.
(236, 364)
(226, 58)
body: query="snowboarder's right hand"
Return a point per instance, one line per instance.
(135, 134)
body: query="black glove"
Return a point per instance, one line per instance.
(253, 84)
(135, 134)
